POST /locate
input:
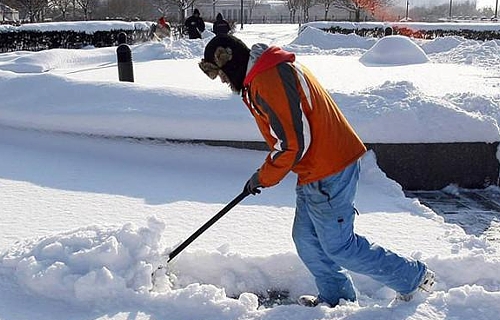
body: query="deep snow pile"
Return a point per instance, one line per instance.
(95, 264)
(88, 264)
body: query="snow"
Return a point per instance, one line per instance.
(81, 26)
(394, 50)
(327, 41)
(476, 26)
(87, 216)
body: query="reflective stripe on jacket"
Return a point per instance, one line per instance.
(304, 128)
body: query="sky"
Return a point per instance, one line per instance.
(86, 215)
(486, 3)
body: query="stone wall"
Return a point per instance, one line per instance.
(422, 166)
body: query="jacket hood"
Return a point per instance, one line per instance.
(219, 17)
(263, 58)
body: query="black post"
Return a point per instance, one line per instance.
(124, 57)
(407, 5)
(241, 13)
(388, 31)
(451, 4)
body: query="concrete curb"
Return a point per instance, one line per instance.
(416, 166)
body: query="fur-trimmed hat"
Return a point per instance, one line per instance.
(230, 55)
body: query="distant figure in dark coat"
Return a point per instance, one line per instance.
(221, 26)
(195, 25)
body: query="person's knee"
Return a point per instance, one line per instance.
(301, 238)
(339, 247)
(307, 244)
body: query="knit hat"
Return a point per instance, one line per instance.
(229, 54)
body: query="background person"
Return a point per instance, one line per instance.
(221, 26)
(162, 29)
(195, 25)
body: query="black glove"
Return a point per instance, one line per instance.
(252, 186)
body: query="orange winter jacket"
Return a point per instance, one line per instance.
(305, 130)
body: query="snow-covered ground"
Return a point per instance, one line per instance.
(85, 218)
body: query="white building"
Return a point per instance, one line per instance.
(265, 11)
(7, 14)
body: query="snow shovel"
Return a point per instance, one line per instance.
(198, 232)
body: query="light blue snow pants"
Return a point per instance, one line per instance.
(325, 241)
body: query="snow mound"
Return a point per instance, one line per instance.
(87, 265)
(326, 41)
(394, 50)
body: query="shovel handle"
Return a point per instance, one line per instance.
(208, 224)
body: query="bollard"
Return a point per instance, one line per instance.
(124, 57)
(388, 31)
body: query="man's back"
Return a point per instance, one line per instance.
(305, 119)
(221, 26)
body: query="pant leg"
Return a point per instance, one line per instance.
(330, 204)
(332, 281)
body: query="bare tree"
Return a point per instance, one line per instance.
(327, 4)
(33, 9)
(162, 6)
(87, 7)
(214, 2)
(61, 6)
(304, 6)
(356, 6)
(293, 5)
(127, 9)
(251, 6)
(181, 5)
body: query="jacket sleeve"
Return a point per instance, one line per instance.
(283, 123)
(201, 25)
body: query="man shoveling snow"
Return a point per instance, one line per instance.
(308, 134)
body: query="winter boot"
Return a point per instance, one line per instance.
(312, 301)
(426, 285)
(308, 301)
